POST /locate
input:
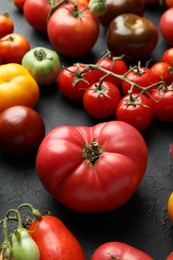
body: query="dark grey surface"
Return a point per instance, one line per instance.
(143, 221)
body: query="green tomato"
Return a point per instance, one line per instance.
(43, 64)
(23, 246)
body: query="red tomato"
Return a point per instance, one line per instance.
(166, 26)
(21, 130)
(135, 110)
(13, 47)
(19, 4)
(73, 32)
(119, 251)
(54, 240)
(168, 56)
(142, 76)
(101, 99)
(113, 64)
(6, 25)
(92, 169)
(169, 3)
(115, 8)
(36, 13)
(164, 71)
(162, 99)
(132, 35)
(74, 80)
(170, 256)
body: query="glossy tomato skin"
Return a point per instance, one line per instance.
(36, 14)
(13, 47)
(137, 111)
(143, 77)
(72, 82)
(168, 56)
(164, 71)
(163, 104)
(132, 35)
(6, 25)
(101, 99)
(54, 240)
(115, 8)
(120, 251)
(72, 35)
(21, 130)
(87, 183)
(166, 26)
(113, 64)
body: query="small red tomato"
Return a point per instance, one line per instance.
(113, 64)
(6, 25)
(166, 26)
(144, 77)
(168, 56)
(135, 110)
(101, 99)
(164, 71)
(21, 130)
(13, 47)
(162, 99)
(74, 80)
(19, 4)
(170, 256)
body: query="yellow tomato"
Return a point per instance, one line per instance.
(17, 87)
(170, 206)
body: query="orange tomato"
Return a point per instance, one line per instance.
(170, 206)
(82, 2)
(6, 25)
(169, 3)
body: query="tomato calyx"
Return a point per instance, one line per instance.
(10, 39)
(100, 89)
(78, 75)
(41, 55)
(134, 100)
(113, 257)
(92, 152)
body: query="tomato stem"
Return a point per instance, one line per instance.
(35, 212)
(6, 248)
(92, 152)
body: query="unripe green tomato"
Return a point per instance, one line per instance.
(43, 64)
(23, 246)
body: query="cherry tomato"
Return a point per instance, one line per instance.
(164, 71)
(74, 80)
(168, 56)
(119, 251)
(73, 30)
(113, 64)
(162, 99)
(54, 240)
(21, 130)
(13, 47)
(36, 14)
(135, 110)
(115, 8)
(133, 36)
(101, 99)
(170, 206)
(6, 25)
(166, 26)
(19, 4)
(169, 3)
(170, 256)
(144, 77)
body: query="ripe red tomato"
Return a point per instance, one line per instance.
(169, 3)
(170, 256)
(132, 35)
(135, 110)
(36, 13)
(73, 32)
(162, 99)
(168, 56)
(92, 169)
(144, 77)
(115, 8)
(6, 25)
(119, 251)
(74, 80)
(13, 47)
(113, 64)
(100, 100)
(164, 71)
(54, 240)
(21, 130)
(166, 26)
(19, 4)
